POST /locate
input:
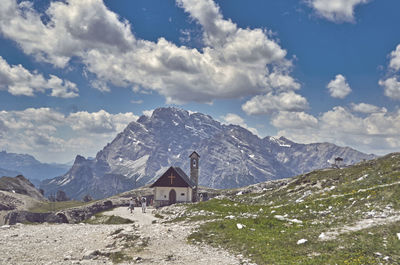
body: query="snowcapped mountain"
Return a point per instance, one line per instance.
(231, 156)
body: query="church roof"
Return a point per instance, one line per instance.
(178, 179)
(194, 152)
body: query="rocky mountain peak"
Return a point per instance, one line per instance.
(231, 156)
(79, 159)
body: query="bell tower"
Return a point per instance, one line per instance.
(194, 174)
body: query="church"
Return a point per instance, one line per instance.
(174, 186)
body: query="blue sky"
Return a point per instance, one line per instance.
(74, 73)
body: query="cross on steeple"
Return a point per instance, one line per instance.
(171, 178)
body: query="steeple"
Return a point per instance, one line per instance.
(194, 173)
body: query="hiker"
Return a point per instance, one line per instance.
(143, 204)
(131, 205)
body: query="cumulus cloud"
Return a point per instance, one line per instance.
(391, 86)
(294, 120)
(391, 83)
(235, 119)
(74, 27)
(376, 132)
(62, 136)
(99, 122)
(234, 62)
(336, 10)
(395, 59)
(338, 87)
(17, 80)
(266, 104)
(367, 108)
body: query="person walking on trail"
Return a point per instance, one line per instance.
(143, 204)
(131, 205)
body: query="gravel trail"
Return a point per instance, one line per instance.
(78, 243)
(168, 244)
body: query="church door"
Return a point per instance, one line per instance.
(172, 197)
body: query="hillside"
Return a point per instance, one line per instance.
(17, 193)
(20, 185)
(231, 156)
(335, 216)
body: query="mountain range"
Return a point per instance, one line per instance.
(231, 156)
(12, 164)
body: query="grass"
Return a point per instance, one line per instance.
(44, 207)
(335, 198)
(157, 215)
(119, 257)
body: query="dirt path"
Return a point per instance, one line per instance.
(91, 244)
(167, 243)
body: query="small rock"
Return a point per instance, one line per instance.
(5, 226)
(386, 258)
(230, 217)
(301, 241)
(239, 226)
(398, 236)
(378, 253)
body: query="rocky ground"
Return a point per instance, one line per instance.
(147, 241)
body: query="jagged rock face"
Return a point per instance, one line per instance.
(231, 156)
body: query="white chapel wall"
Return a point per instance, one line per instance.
(182, 194)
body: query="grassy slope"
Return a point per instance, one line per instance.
(324, 201)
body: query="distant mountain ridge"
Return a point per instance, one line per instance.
(8, 173)
(29, 166)
(231, 156)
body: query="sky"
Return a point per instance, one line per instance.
(74, 73)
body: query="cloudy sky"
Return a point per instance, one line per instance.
(74, 73)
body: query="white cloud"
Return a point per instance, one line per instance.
(395, 59)
(139, 101)
(336, 10)
(74, 28)
(294, 120)
(235, 119)
(367, 108)
(99, 122)
(391, 84)
(235, 62)
(377, 132)
(391, 87)
(266, 104)
(17, 80)
(100, 85)
(338, 87)
(53, 136)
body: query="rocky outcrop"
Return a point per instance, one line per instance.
(20, 185)
(29, 217)
(78, 214)
(72, 215)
